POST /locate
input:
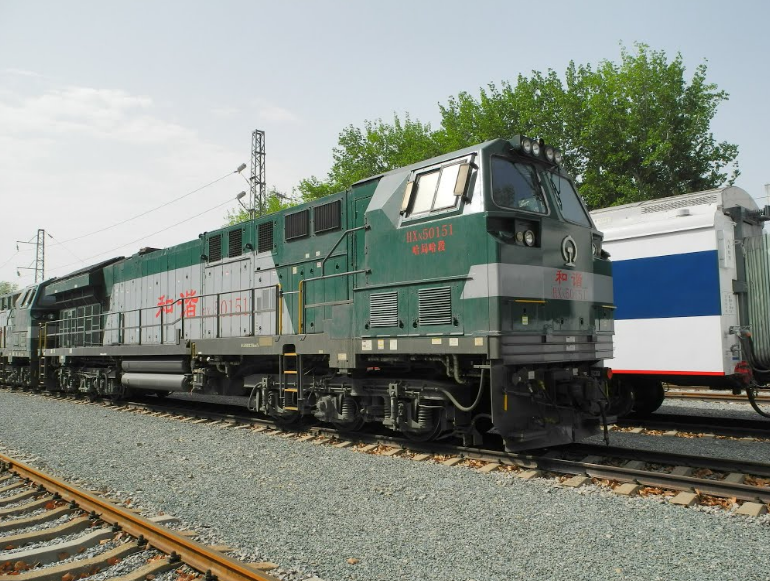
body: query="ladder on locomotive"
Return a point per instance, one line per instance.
(290, 370)
(42, 370)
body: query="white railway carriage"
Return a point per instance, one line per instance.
(681, 290)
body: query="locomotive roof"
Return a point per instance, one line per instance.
(728, 197)
(684, 212)
(434, 160)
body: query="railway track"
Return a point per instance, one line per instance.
(50, 530)
(686, 479)
(709, 395)
(683, 424)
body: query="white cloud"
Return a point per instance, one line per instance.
(76, 159)
(271, 113)
(225, 112)
(20, 73)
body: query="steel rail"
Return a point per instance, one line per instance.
(550, 463)
(659, 479)
(644, 477)
(192, 553)
(722, 426)
(713, 396)
(673, 459)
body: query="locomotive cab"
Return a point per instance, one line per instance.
(506, 262)
(550, 301)
(20, 336)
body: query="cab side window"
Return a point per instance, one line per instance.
(437, 189)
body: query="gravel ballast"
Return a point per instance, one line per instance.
(310, 508)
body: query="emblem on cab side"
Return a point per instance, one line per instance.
(569, 250)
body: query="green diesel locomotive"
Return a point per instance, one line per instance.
(465, 294)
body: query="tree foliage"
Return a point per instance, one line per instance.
(377, 148)
(8, 287)
(276, 201)
(629, 131)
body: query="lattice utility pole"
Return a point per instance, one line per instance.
(258, 186)
(39, 256)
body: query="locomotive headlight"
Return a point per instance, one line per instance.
(557, 157)
(549, 153)
(529, 238)
(526, 145)
(519, 236)
(596, 247)
(535, 149)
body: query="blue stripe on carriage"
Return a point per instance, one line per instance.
(679, 285)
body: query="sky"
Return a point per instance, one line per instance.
(113, 110)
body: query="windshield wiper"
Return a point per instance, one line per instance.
(554, 189)
(533, 182)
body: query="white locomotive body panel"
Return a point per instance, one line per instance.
(673, 270)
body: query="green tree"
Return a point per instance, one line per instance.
(377, 148)
(629, 131)
(7, 288)
(276, 201)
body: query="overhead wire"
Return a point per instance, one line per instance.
(150, 210)
(229, 200)
(58, 243)
(190, 193)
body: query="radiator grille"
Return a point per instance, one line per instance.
(383, 310)
(327, 216)
(215, 248)
(435, 306)
(235, 243)
(296, 225)
(265, 237)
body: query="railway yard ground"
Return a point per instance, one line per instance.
(320, 511)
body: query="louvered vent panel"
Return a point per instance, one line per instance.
(235, 243)
(383, 310)
(265, 300)
(674, 204)
(435, 306)
(327, 216)
(296, 225)
(265, 236)
(215, 248)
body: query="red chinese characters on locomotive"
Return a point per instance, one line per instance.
(569, 286)
(188, 304)
(431, 239)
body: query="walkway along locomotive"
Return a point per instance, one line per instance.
(462, 294)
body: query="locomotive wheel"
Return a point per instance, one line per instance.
(287, 421)
(648, 396)
(423, 436)
(351, 426)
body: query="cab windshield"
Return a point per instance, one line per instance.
(562, 190)
(515, 186)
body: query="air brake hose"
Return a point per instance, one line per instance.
(456, 403)
(751, 390)
(751, 393)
